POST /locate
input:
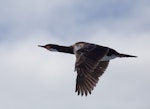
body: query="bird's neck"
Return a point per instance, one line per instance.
(65, 49)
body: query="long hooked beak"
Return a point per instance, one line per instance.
(41, 46)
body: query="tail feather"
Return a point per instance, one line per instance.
(126, 55)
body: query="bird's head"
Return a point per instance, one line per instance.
(50, 47)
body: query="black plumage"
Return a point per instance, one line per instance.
(91, 62)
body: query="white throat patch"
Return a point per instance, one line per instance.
(51, 49)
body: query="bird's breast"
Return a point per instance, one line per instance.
(76, 48)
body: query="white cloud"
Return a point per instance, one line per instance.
(31, 77)
(34, 77)
(73, 19)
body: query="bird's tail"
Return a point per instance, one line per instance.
(126, 55)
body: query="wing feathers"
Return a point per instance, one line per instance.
(89, 67)
(85, 83)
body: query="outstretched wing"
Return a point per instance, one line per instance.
(89, 67)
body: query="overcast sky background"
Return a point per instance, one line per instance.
(33, 78)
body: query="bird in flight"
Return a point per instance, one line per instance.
(91, 62)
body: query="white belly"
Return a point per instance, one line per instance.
(107, 58)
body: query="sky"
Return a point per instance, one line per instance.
(34, 78)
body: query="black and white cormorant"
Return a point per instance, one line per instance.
(91, 62)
